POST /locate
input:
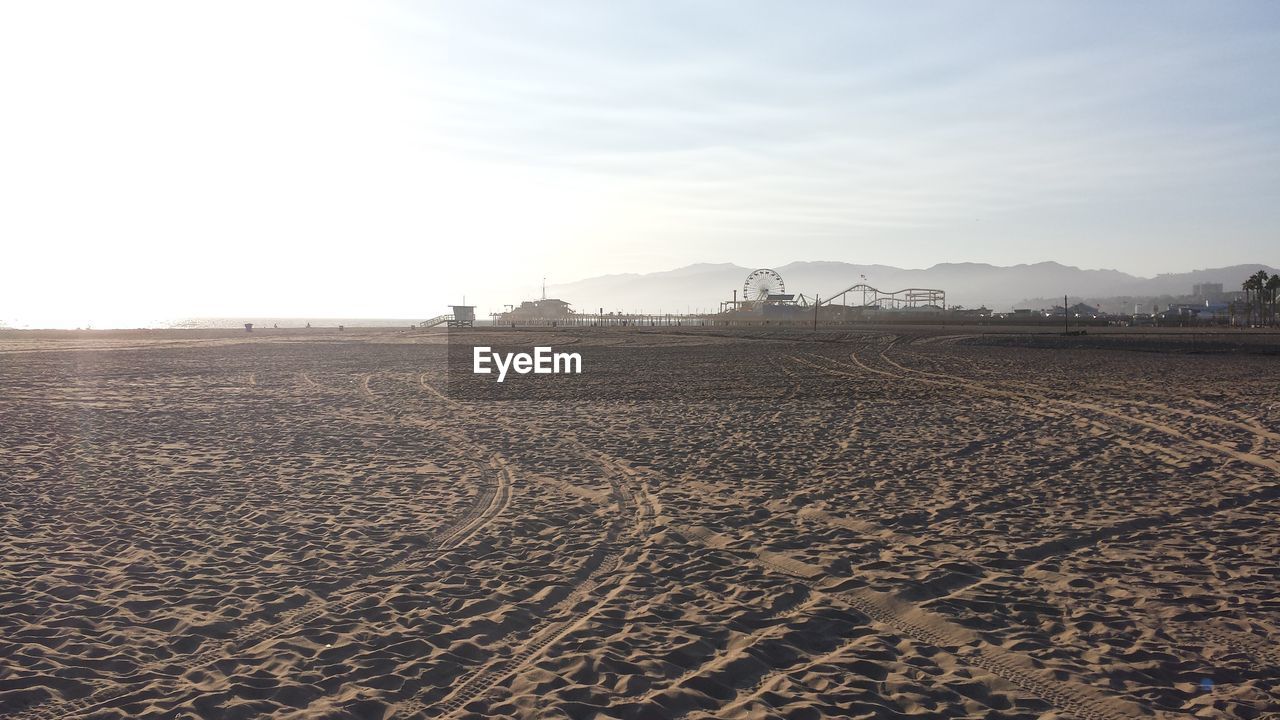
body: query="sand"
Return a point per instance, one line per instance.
(874, 523)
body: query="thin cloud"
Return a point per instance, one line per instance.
(587, 137)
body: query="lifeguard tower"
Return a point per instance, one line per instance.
(463, 316)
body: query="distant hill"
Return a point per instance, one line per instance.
(705, 285)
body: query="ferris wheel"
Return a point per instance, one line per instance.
(761, 284)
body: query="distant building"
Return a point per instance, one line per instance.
(1209, 312)
(1210, 292)
(1079, 310)
(545, 310)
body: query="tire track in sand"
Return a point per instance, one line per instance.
(908, 619)
(1084, 406)
(724, 658)
(490, 503)
(634, 508)
(911, 620)
(491, 500)
(1240, 424)
(1241, 642)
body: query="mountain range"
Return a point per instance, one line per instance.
(704, 285)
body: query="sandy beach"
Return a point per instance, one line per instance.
(879, 523)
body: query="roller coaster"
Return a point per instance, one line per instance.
(764, 292)
(907, 298)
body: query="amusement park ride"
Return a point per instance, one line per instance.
(765, 292)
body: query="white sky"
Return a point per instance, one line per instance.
(381, 160)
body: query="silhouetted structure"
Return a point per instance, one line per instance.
(546, 310)
(463, 316)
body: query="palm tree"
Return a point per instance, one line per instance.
(1260, 290)
(1273, 294)
(1254, 288)
(1247, 287)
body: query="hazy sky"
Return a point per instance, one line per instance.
(366, 159)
